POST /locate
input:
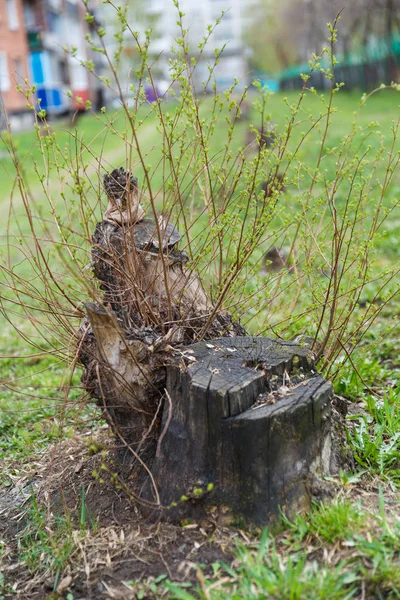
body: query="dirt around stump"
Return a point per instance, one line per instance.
(122, 547)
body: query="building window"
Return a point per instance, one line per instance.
(19, 71)
(12, 15)
(224, 31)
(63, 70)
(4, 75)
(72, 10)
(55, 5)
(29, 17)
(53, 20)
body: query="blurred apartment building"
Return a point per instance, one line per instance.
(162, 16)
(228, 34)
(32, 34)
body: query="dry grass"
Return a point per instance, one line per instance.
(120, 555)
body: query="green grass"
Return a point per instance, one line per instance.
(375, 436)
(35, 410)
(90, 137)
(329, 523)
(333, 552)
(47, 544)
(38, 403)
(105, 135)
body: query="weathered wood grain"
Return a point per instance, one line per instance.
(258, 458)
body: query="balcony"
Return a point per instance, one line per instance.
(34, 40)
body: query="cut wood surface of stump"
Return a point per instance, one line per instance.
(231, 426)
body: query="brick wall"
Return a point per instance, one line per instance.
(13, 54)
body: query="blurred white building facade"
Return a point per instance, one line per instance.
(198, 14)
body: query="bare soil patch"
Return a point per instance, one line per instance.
(118, 550)
(118, 546)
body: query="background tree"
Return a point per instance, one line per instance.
(286, 32)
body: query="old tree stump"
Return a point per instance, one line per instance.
(213, 421)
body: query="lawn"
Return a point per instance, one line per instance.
(70, 531)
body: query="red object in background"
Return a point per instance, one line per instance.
(83, 96)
